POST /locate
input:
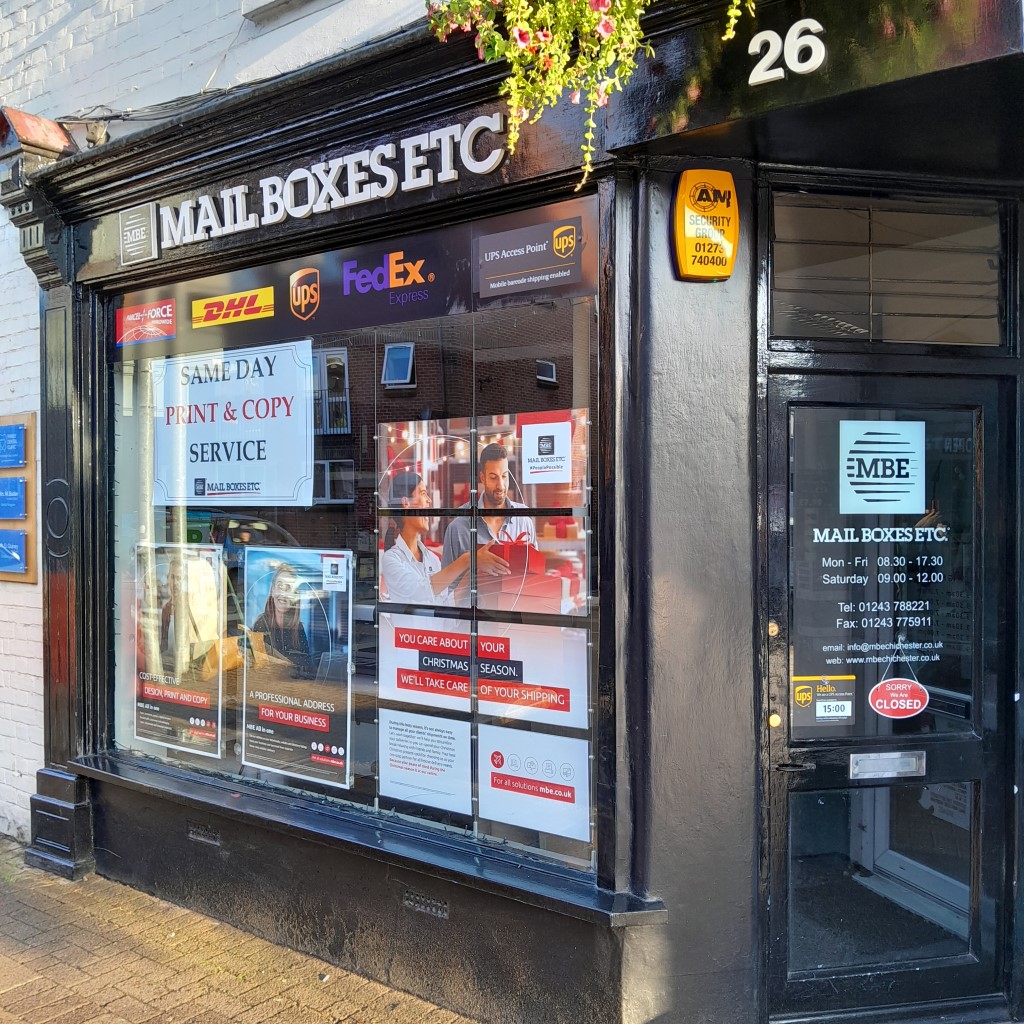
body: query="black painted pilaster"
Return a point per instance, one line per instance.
(61, 814)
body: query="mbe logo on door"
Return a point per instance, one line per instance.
(881, 467)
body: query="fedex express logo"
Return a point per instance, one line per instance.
(393, 273)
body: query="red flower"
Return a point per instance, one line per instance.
(543, 35)
(521, 36)
(574, 96)
(600, 6)
(605, 27)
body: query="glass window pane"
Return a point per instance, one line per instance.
(433, 535)
(924, 272)
(879, 875)
(882, 571)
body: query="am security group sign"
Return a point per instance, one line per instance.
(234, 428)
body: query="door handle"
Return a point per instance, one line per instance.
(796, 766)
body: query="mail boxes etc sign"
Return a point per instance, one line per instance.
(441, 156)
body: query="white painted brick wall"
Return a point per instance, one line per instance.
(58, 58)
(21, 616)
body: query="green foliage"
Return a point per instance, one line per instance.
(586, 48)
(733, 14)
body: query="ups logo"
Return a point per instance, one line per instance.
(803, 695)
(304, 292)
(563, 241)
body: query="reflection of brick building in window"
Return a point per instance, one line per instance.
(481, 364)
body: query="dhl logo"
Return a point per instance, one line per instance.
(252, 305)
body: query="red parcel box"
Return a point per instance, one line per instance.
(523, 560)
(531, 586)
(541, 594)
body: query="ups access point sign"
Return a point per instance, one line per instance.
(705, 225)
(138, 234)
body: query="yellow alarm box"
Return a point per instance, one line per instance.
(705, 225)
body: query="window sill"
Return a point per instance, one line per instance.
(380, 839)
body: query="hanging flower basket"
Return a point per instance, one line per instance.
(585, 49)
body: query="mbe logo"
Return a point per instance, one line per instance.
(200, 487)
(881, 467)
(546, 444)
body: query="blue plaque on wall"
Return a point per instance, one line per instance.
(12, 446)
(12, 551)
(12, 497)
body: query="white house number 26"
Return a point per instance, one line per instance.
(802, 52)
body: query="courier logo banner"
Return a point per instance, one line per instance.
(881, 467)
(544, 252)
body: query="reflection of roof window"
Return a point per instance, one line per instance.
(399, 365)
(547, 372)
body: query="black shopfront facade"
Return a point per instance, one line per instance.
(439, 583)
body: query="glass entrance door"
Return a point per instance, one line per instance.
(891, 516)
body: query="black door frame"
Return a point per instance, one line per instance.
(967, 758)
(775, 356)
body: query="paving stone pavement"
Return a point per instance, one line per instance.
(96, 952)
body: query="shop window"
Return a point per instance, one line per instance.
(399, 365)
(357, 565)
(899, 271)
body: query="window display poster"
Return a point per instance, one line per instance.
(532, 459)
(535, 781)
(547, 448)
(179, 623)
(337, 571)
(234, 428)
(547, 563)
(434, 452)
(425, 760)
(547, 456)
(425, 661)
(297, 675)
(533, 673)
